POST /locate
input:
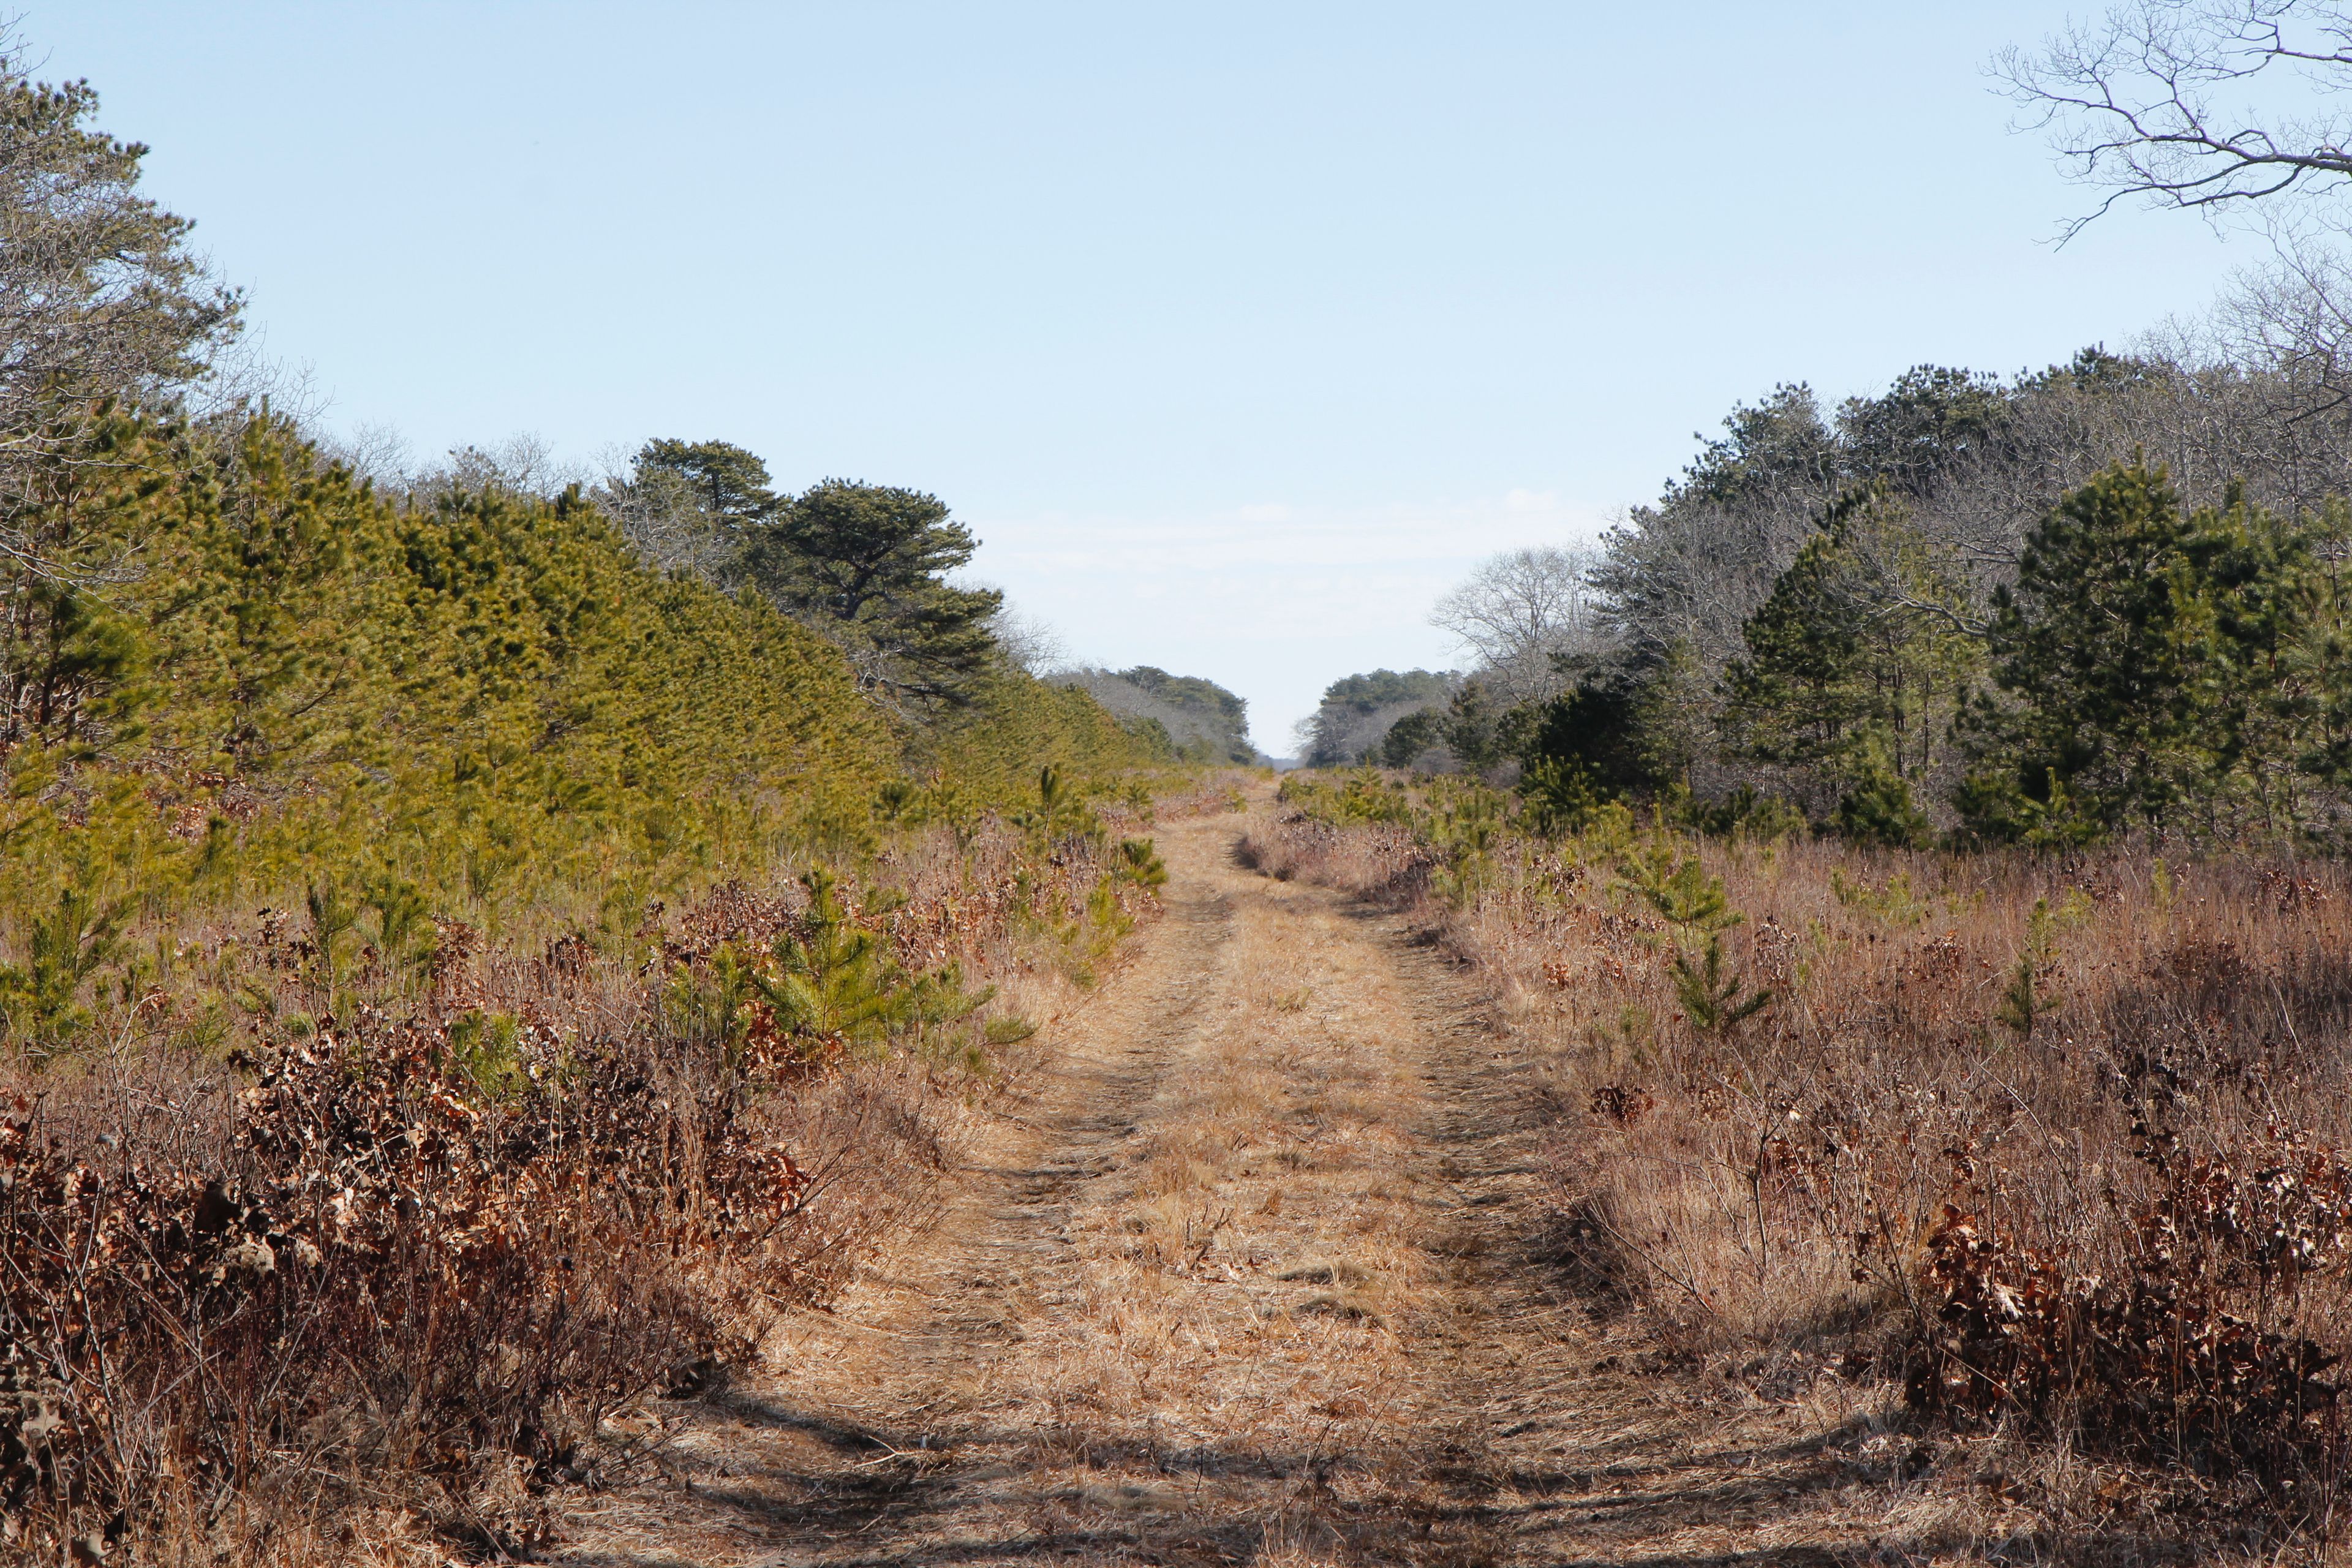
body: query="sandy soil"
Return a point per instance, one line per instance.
(1261, 1274)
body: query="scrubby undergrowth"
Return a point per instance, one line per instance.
(403, 1246)
(2048, 1148)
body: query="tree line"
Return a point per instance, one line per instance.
(1194, 718)
(2051, 607)
(2102, 598)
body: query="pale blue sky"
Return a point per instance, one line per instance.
(1237, 333)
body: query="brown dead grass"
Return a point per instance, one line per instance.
(1181, 1309)
(1267, 1271)
(1767, 1202)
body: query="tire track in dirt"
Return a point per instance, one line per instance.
(1259, 1276)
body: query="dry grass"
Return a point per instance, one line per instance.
(1860, 1190)
(1181, 1309)
(1266, 1270)
(1235, 1283)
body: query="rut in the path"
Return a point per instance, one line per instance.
(1259, 1278)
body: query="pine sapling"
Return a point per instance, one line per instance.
(333, 916)
(62, 949)
(1713, 998)
(404, 932)
(2023, 1002)
(1710, 995)
(835, 982)
(1140, 864)
(1679, 888)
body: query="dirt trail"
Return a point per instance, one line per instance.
(1259, 1276)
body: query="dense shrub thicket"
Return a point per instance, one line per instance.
(474, 699)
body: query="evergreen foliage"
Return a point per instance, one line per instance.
(472, 701)
(1853, 663)
(1357, 711)
(2159, 667)
(1589, 741)
(869, 563)
(1879, 810)
(835, 984)
(1933, 420)
(1412, 736)
(725, 481)
(103, 303)
(1714, 999)
(2025, 1001)
(1831, 616)
(1196, 720)
(2101, 639)
(1782, 440)
(1381, 688)
(866, 566)
(1140, 864)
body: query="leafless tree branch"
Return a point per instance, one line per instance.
(2204, 105)
(1521, 613)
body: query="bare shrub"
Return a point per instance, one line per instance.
(1381, 862)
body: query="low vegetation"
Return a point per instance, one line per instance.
(408, 1237)
(2050, 1152)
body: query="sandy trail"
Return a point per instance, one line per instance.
(1260, 1276)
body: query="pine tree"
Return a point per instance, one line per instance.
(71, 655)
(106, 306)
(727, 482)
(2266, 690)
(1801, 691)
(869, 565)
(1856, 662)
(2155, 666)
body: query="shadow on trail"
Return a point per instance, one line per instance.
(1445, 1515)
(877, 1484)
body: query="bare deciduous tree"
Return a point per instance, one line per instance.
(1028, 641)
(2204, 105)
(524, 464)
(1523, 613)
(377, 452)
(2222, 107)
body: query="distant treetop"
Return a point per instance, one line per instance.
(1380, 687)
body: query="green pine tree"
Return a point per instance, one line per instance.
(1856, 662)
(868, 564)
(2155, 668)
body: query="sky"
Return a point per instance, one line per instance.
(1236, 332)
